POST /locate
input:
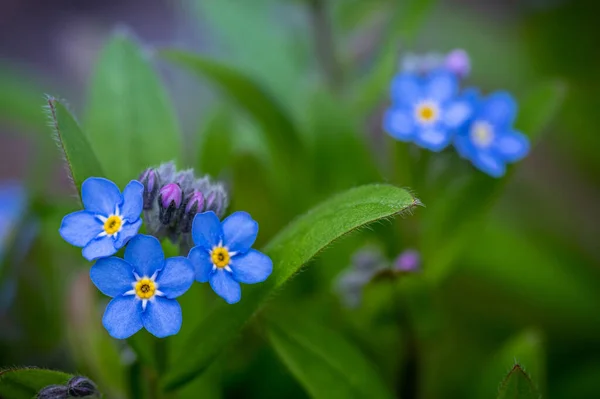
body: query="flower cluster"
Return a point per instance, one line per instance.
(368, 263)
(173, 198)
(429, 109)
(144, 284)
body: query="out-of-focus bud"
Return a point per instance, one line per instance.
(365, 264)
(81, 387)
(458, 62)
(194, 204)
(170, 198)
(166, 171)
(53, 392)
(151, 182)
(408, 261)
(185, 179)
(217, 200)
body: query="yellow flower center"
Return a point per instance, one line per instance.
(220, 257)
(113, 224)
(145, 288)
(427, 112)
(482, 134)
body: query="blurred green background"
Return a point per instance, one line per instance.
(287, 112)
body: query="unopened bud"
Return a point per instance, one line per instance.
(408, 261)
(194, 204)
(53, 392)
(151, 181)
(458, 62)
(170, 198)
(217, 200)
(81, 387)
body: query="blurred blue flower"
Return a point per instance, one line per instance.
(223, 255)
(489, 140)
(13, 201)
(143, 287)
(426, 109)
(109, 219)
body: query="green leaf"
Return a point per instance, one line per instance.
(293, 247)
(523, 351)
(20, 100)
(282, 134)
(25, 383)
(80, 158)
(130, 122)
(216, 146)
(539, 107)
(325, 363)
(517, 385)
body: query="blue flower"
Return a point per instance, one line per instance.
(143, 287)
(489, 140)
(223, 254)
(426, 109)
(109, 219)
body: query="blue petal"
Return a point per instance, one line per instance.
(162, 317)
(145, 254)
(464, 146)
(399, 123)
(202, 263)
(441, 85)
(113, 276)
(127, 231)
(239, 231)
(100, 196)
(176, 277)
(206, 230)
(225, 286)
(122, 317)
(512, 146)
(133, 201)
(489, 164)
(406, 89)
(99, 248)
(500, 109)
(433, 138)
(457, 113)
(252, 267)
(79, 228)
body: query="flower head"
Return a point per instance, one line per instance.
(425, 109)
(223, 255)
(143, 286)
(489, 140)
(109, 218)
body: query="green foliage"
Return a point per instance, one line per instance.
(325, 363)
(25, 383)
(130, 121)
(292, 248)
(79, 157)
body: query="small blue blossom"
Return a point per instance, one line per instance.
(143, 287)
(223, 255)
(109, 218)
(425, 109)
(489, 140)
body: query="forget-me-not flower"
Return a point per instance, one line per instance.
(223, 255)
(489, 140)
(425, 109)
(109, 218)
(144, 286)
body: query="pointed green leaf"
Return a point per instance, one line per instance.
(25, 383)
(293, 247)
(325, 363)
(250, 96)
(517, 385)
(78, 154)
(130, 122)
(524, 351)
